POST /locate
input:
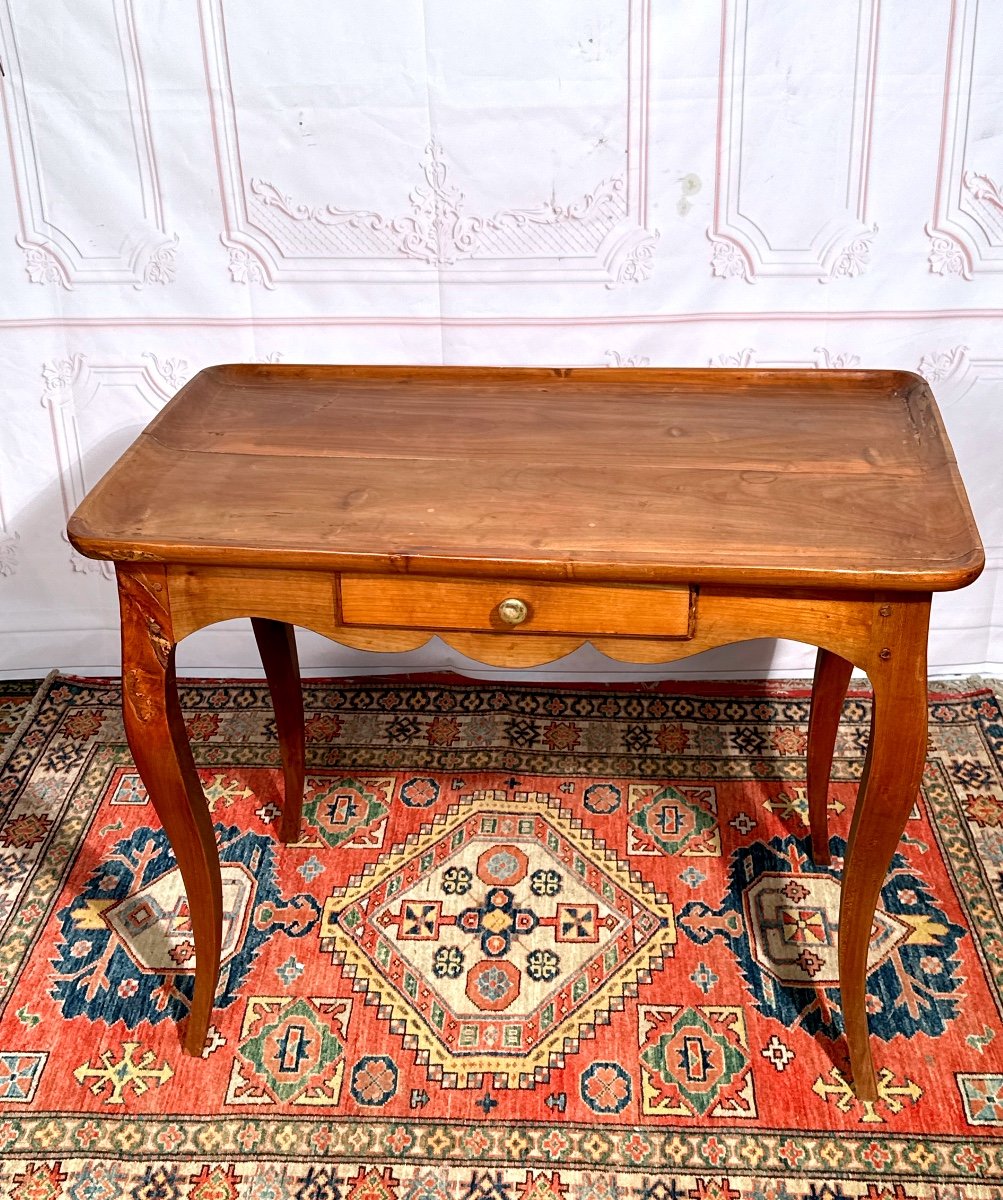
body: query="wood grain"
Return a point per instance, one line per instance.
(155, 730)
(817, 478)
(896, 753)
(832, 678)
(277, 646)
(840, 621)
(472, 604)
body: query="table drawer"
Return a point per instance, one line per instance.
(518, 606)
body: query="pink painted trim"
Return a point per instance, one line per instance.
(629, 124)
(719, 139)
(640, 53)
(144, 113)
(865, 149)
(519, 322)
(642, 217)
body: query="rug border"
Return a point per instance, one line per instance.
(797, 688)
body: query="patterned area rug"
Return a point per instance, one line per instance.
(16, 696)
(533, 944)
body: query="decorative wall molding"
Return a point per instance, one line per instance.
(8, 553)
(446, 203)
(9, 540)
(615, 359)
(966, 231)
(749, 241)
(823, 360)
(967, 387)
(70, 386)
(146, 251)
(956, 371)
(274, 236)
(944, 364)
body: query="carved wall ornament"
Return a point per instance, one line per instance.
(274, 235)
(41, 265)
(853, 259)
(8, 550)
(174, 371)
(826, 234)
(944, 364)
(948, 254)
(637, 266)
(823, 359)
(616, 359)
(244, 269)
(740, 360)
(966, 231)
(727, 261)
(162, 265)
(843, 361)
(438, 232)
(955, 372)
(983, 189)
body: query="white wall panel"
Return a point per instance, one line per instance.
(966, 233)
(84, 161)
(581, 182)
(789, 203)
(285, 80)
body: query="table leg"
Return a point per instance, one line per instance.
(277, 647)
(892, 773)
(155, 730)
(832, 678)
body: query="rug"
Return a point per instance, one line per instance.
(559, 943)
(16, 696)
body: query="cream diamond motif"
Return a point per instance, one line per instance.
(498, 939)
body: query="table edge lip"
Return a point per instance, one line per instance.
(951, 577)
(896, 378)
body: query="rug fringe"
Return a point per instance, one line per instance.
(31, 712)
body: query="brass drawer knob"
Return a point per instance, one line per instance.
(513, 611)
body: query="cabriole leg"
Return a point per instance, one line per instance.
(159, 743)
(832, 678)
(895, 758)
(277, 647)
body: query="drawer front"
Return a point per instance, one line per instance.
(518, 606)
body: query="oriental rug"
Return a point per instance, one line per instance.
(16, 696)
(533, 943)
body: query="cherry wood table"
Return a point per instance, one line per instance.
(518, 513)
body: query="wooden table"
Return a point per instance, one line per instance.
(518, 513)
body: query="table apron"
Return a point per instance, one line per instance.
(848, 623)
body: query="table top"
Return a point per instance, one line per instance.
(737, 477)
